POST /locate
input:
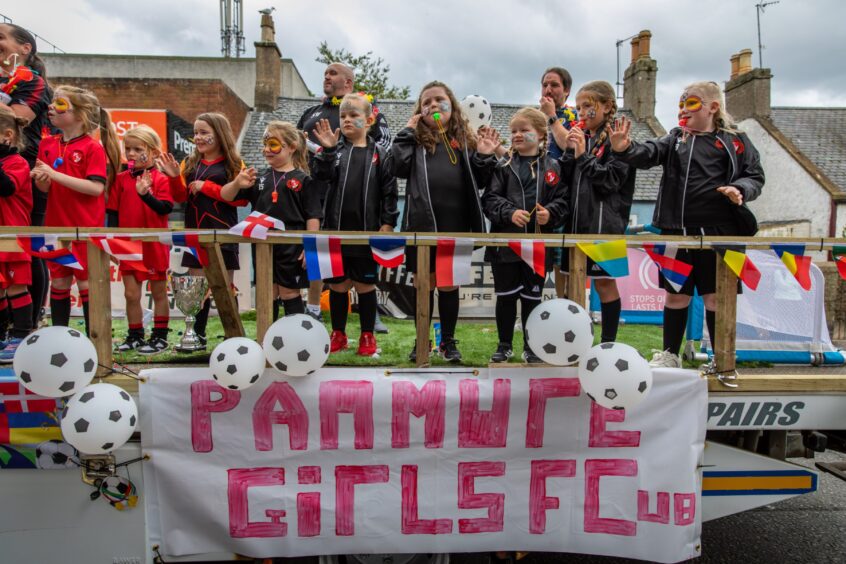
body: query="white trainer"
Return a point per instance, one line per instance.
(665, 359)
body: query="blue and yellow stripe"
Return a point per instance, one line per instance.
(759, 482)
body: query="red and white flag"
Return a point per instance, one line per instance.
(533, 253)
(452, 263)
(128, 252)
(256, 225)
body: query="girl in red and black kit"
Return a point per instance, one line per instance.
(140, 197)
(28, 99)
(73, 168)
(198, 181)
(15, 208)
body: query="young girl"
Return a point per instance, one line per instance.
(524, 196)
(602, 189)
(72, 168)
(710, 171)
(198, 180)
(445, 172)
(283, 191)
(140, 197)
(362, 197)
(15, 208)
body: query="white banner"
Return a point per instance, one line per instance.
(354, 460)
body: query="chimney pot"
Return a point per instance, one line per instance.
(735, 65)
(643, 44)
(268, 30)
(744, 61)
(635, 48)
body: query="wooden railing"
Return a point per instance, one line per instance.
(219, 283)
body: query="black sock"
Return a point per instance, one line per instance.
(367, 311)
(60, 305)
(526, 307)
(711, 321)
(202, 318)
(40, 287)
(339, 307)
(506, 315)
(294, 305)
(610, 320)
(675, 321)
(5, 317)
(136, 331)
(83, 296)
(21, 306)
(277, 303)
(448, 313)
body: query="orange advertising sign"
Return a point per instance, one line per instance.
(125, 119)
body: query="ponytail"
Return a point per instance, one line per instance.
(300, 156)
(109, 139)
(33, 61)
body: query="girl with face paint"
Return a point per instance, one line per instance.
(362, 196)
(446, 165)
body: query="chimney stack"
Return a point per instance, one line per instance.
(748, 89)
(268, 67)
(639, 80)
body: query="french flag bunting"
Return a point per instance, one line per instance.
(189, 241)
(675, 271)
(388, 251)
(323, 256)
(128, 252)
(256, 225)
(47, 247)
(452, 263)
(533, 253)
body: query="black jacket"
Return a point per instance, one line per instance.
(504, 195)
(379, 194)
(408, 160)
(745, 172)
(380, 131)
(601, 190)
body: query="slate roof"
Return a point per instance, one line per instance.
(397, 112)
(820, 134)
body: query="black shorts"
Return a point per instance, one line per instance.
(592, 269)
(230, 258)
(411, 259)
(358, 268)
(703, 276)
(288, 269)
(517, 278)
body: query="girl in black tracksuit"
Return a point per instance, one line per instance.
(601, 191)
(526, 195)
(362, 197)
(710, 171)
(445, 173)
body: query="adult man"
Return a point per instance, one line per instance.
(555, 88)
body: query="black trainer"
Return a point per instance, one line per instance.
(154, 346)
(503, 353)
(449, 350)
(530, 357)
(412, 356)
(131, 343)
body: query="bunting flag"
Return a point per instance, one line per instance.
(47, 247)
(128, 253)
(839, 254)
(189, 241)
(323, 256)
(452, 263)
(533, 253)
(793, 257)
(256, 225)
(736, 259)
(610, 256)
(675, 272)
(388, 251)
(26, 420)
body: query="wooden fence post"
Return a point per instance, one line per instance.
(264, 289)
(726, 321)
(100, 307)
(421, 281)
(578, 275)
(221, 289)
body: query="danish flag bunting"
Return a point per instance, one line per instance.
(128, 252)
(452, 264)
(533, 253)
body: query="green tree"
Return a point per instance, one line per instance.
(371, 74)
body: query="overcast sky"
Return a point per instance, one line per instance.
(497, 48)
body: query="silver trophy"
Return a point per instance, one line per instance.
(189, 293)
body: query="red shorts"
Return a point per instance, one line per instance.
(80, 249)
(15, 273)
(153, 275)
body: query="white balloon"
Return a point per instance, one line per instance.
(477, 110)
(559, 331)
(176, 254)
(296, 345)
(99, 419)
(55, 361)
(237, 363)
(615, 376)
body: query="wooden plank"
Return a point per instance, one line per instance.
(780, 384)
(221, 289)
(578, 276)
(100, 307)
(264, 289)
(726, 322)
(421, 281)
(560, 281)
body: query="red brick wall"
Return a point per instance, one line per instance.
(185, 97)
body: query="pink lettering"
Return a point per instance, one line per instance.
(601, 437)
(594, 470)
(469, 499)
(346, 396)
(662, 509)
(541, 390)
(242, 479)
(346, 477)
(308, 514)
(477, 429)
(428, 402)
(685, 508)
(292, 413)
(411, 523)
(202, 406)
(539, 502)
(308, 475)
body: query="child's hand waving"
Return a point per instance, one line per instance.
(245, 178)
(144, 183)
(168, 165)
(324, 134)
(619, 135)
(732, 193)
(414, 120)
(488, 141)
(576, 140)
